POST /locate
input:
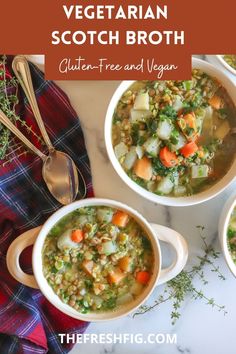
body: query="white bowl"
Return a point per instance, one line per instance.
(214, 60)
(37, 237)
(171, 201)
(223, 226)
(220, 58)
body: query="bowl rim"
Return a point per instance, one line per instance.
(201, 197)
(92, 316)
(226, 65)
(223, 227)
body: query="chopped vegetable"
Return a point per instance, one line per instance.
(98, 288)
(189, 149)
(200, 171)
(142, 101)
(143, 168)
(207, 126)
(139, 116)
(168, 158)
(152, 125)
(143, 277)
(139, 151)
(187, 124)
(122, 238)
(180, 191)
(168, 112)
(130, 158)
(82, 219)
(187, 85)
(125, 263)
(115, 276)
(88, 266)
(136, 288)
(222, 131)
(65, 241)
(165, 186)
(181, 141)
(107, 248)
(77, 235)
(152, 146)
(178, 103)
(120, 218)
(164, 129)
(120, 150)
(59, 265)
(126, 298)
(215, 101)
(104, 214)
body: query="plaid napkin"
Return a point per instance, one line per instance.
(28, 322)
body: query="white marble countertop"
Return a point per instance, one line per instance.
(201, 329)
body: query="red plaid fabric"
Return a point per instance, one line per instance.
(28, 322)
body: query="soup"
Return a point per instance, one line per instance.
(231, 60)
(231, 235)
(175, 138)
(97, 258)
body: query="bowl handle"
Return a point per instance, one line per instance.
(177, 241)
(13, 254)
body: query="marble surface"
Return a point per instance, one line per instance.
(201, 329)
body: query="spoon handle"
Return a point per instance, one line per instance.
(6, 121)
(82, 196)
(21, 69)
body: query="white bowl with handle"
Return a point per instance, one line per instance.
(36, 237)
(165, 200)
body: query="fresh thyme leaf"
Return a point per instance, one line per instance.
(8, 101)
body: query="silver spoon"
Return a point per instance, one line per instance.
(59, 170)
(62, 185)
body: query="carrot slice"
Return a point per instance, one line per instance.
(143, 277)
(189, 149)
(120, 218)
(143, 168)
(168, 158)
(77, 235)
(215, 101)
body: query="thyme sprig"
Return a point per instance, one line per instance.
(182, 286)
(8, 102)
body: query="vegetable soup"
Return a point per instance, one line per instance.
(231, 235)
(231, 60)
(97, 258)
(175, 138)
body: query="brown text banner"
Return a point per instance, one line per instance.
(123, 39)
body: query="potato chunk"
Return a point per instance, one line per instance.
(125, 263)
(88, 266)
(115, 276)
